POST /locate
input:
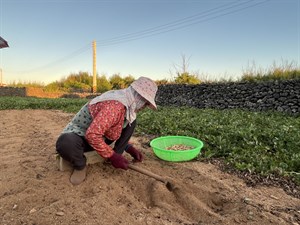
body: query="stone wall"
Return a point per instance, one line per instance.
(12, 91)
(283, 96)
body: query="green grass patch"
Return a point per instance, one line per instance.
(260, 142)
(66, 104)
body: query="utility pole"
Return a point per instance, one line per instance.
(94, 68)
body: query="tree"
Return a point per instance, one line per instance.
(78, 82)
(128, 80)
(186, 78)
(54, 87)
(117, 82)
(182, 76)
(86, 78)
(103, 84)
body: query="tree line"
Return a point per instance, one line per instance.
(83, 82)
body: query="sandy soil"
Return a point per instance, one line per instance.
(34, 192)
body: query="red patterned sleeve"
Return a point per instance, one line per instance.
(108, 119)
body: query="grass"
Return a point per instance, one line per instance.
(65, 104)
(258, 142)
(283, 71)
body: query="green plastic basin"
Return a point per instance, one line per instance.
(160, 145)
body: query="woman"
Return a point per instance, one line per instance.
(108, 118)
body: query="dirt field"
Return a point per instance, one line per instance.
(34, 192)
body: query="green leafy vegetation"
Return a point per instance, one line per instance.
(186, 78)
(259, 142)
(66, 104)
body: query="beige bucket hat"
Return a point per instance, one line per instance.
(147, 88)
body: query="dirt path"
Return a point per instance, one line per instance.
(34, 192)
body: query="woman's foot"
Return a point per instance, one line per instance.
(78, 176)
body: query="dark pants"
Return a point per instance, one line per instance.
(71, 147)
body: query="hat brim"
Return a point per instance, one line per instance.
(151, 106)
(148, 96)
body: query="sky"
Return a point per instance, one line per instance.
(218, 39)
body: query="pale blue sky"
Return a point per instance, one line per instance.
(49, 39)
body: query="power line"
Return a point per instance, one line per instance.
(160, 27)
(180, 24)
(59, 61)
(210, 14)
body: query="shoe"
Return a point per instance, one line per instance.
(78, 176)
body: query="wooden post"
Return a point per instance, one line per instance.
(94, 68)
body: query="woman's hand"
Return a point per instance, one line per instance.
(118, 161)
(136, 154)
